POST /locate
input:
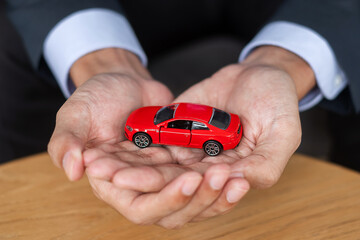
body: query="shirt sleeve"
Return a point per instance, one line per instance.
(83, 32)
(311, 47)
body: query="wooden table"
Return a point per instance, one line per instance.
(313, 200)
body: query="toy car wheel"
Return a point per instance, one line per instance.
(212, 148)
(142, 140)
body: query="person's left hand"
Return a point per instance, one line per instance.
(264, 92)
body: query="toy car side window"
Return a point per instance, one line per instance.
(180, 124)
(199, 126)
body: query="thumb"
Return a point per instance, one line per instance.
(65, 150)
(261, 170)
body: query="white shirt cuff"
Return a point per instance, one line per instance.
(83, 32)
(311, 47)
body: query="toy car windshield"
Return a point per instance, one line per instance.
(165, 113)
(220, 119)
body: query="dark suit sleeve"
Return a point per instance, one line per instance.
(33, 19)
(338, 21)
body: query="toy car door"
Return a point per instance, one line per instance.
(176, 132)
(200, 133)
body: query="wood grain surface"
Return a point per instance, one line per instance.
(313, 200)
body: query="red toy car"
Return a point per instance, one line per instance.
(184, 124)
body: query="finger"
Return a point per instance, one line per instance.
(109, 193)
(233, 192)
(262, 172)
(147, 208)
(65, 150)
(209, 190)
(146, 178)
(154, 206)
(69, 138)
(264, 166)
(105, 168)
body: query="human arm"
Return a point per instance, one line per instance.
(34, 19)
(337, 22)
(74, 37)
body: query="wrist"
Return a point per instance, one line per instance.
(299, 70)
(108, 60)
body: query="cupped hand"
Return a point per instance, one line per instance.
(265, 98)
(96, 114)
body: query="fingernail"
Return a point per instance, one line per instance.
(217, 181)
(234, 195)
(190, 186)
(68, 164)
(237, 175)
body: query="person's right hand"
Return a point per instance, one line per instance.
(97, 111)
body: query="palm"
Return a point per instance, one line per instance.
(267, 105)
(102, 104)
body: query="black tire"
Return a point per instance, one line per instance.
(212, 148)
(142, 140)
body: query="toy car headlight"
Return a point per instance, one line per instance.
(129, 128)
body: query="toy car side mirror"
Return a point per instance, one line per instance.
(161, 125)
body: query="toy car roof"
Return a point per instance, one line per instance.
(193, 111)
